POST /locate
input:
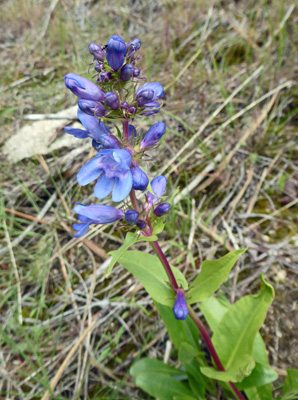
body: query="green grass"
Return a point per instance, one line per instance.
(231, 40)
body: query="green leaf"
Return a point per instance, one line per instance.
(260, 393)
(260, 376)
(197, 381)
(150, 272)
(237, 375)
(214, 309)
(212, 275)
(148, 365)
(187, 352)
(179, 331)
(235, 334)
(157, 226)
(290, 386)
(130, 239)
(163, 387)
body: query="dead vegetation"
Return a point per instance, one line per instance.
(231, 149)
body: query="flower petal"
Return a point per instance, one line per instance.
(81, 228)
(78, 133)
(122, 188)
(103, 186)
(89, 172)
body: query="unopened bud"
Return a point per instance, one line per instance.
(131, 216)
(111, 100)
(162, 209)
(96, 51)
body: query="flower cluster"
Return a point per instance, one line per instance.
(118, 95)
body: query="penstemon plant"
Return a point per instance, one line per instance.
(238, 361)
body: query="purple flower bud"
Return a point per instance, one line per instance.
(92, 108)
(83, 88)
(96, 51)
(144, 97)
(158, 185)
(141, 224)
(162, 209)
(136, 72)
(115, 52)
(98, 67)
(145, 92)
(132, 110)
(124, 105)
(180, 307)
(152, 107)
(155, 132)
(139, 178)
(133, 46)
(105, 76)
(126, 72)
(111, 100)
(131, 216)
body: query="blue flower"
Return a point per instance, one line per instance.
(149, 92)
(155, 132)
(180, 307)
(115, 52)
(139, 178)
(131, 216)
(95, 214)
(111, 100)
(83, 88)
(162, 209)
(92, 108)
(126, 72)
(112, 168)
(95, 130)
(151, 108)
(158, 186)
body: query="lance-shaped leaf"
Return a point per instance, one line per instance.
(150, 272)
(236, 332)
(130, 239)
(212, 275)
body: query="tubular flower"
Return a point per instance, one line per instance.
(83, 88)
(180, 307)
(151, 108)
(115, 52)
(139, 178)
(111, 100)
(95, 214)
(91, 107)
(126, 72)
(148, 92)
(155, 132)
(112, 168)
(99, 132)
(158, 185)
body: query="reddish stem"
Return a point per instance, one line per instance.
(125, 130)
(212, 350)
(134, 200)
(166, 265)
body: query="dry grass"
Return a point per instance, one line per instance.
(231, 147)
